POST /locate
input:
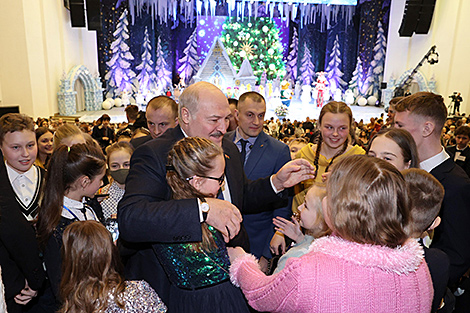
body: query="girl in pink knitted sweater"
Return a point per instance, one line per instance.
(368, 265)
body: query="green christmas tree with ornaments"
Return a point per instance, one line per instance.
(256, 39)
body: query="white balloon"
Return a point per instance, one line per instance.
(371, 100)
(111, 101)
(362, 101)
(107, 105)
(117, 102)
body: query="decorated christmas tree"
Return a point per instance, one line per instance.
(355, 84)
(146, 78)
(256, 39)
(163, 75)
(291, 65)
(333, 69)
(120, 75)
(190, 61)
(307, 68)
(378, 62)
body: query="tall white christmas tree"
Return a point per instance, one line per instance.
(369, 80)
(307, 68)
(333, 70)
(163, 75)
(378, 62)
(120, 75)
(190, 61)
(355, 84)
(146, 78)
(291, 64)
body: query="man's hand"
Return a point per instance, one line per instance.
(225, 217)
(25, 295)
(293, 173)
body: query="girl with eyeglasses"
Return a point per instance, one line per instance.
(198, 271)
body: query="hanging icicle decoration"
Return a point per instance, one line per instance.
(199, 7)
(231, 7)
(213, 4)
(206, 7)
(165, 10)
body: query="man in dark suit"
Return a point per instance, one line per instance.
(161, 114)
(262, 156)
(147, 214)
(460, 153)
(423, 114)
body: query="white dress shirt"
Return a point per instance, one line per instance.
(76, 208)
(24, 185)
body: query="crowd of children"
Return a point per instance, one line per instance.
(358, 230)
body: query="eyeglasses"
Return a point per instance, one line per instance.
(221, 179)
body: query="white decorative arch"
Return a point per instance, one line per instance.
(91, 85)
(423, 83)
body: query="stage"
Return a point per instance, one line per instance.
(297, 111)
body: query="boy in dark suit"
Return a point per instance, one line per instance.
(460, 153)
(426, 194)
(21, 181)
(423, 114)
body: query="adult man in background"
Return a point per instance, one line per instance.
(161, 114)
(135, 118)
(262, 156)
(460, 153)
(233, 104)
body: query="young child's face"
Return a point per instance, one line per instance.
(94, 185)
(295, 147)
(386, 149)
(335, 129)
(209, 185)
(119, 159)
(45, 143)
(308, 211)
(20, 150)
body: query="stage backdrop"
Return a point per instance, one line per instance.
(143, 52)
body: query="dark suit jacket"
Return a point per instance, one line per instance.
(136, 142)
(19, 253)
(465, 154)
(438, 264)
(453, 234)
(266, 157)
(146, 213)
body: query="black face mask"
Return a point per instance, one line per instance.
(120, 175)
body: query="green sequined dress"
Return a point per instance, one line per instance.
(200, 280)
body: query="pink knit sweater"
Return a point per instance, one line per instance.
(337, 275)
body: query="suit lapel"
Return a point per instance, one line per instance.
(256, 153)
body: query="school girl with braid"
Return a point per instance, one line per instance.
(335, 123)
(335, 142)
